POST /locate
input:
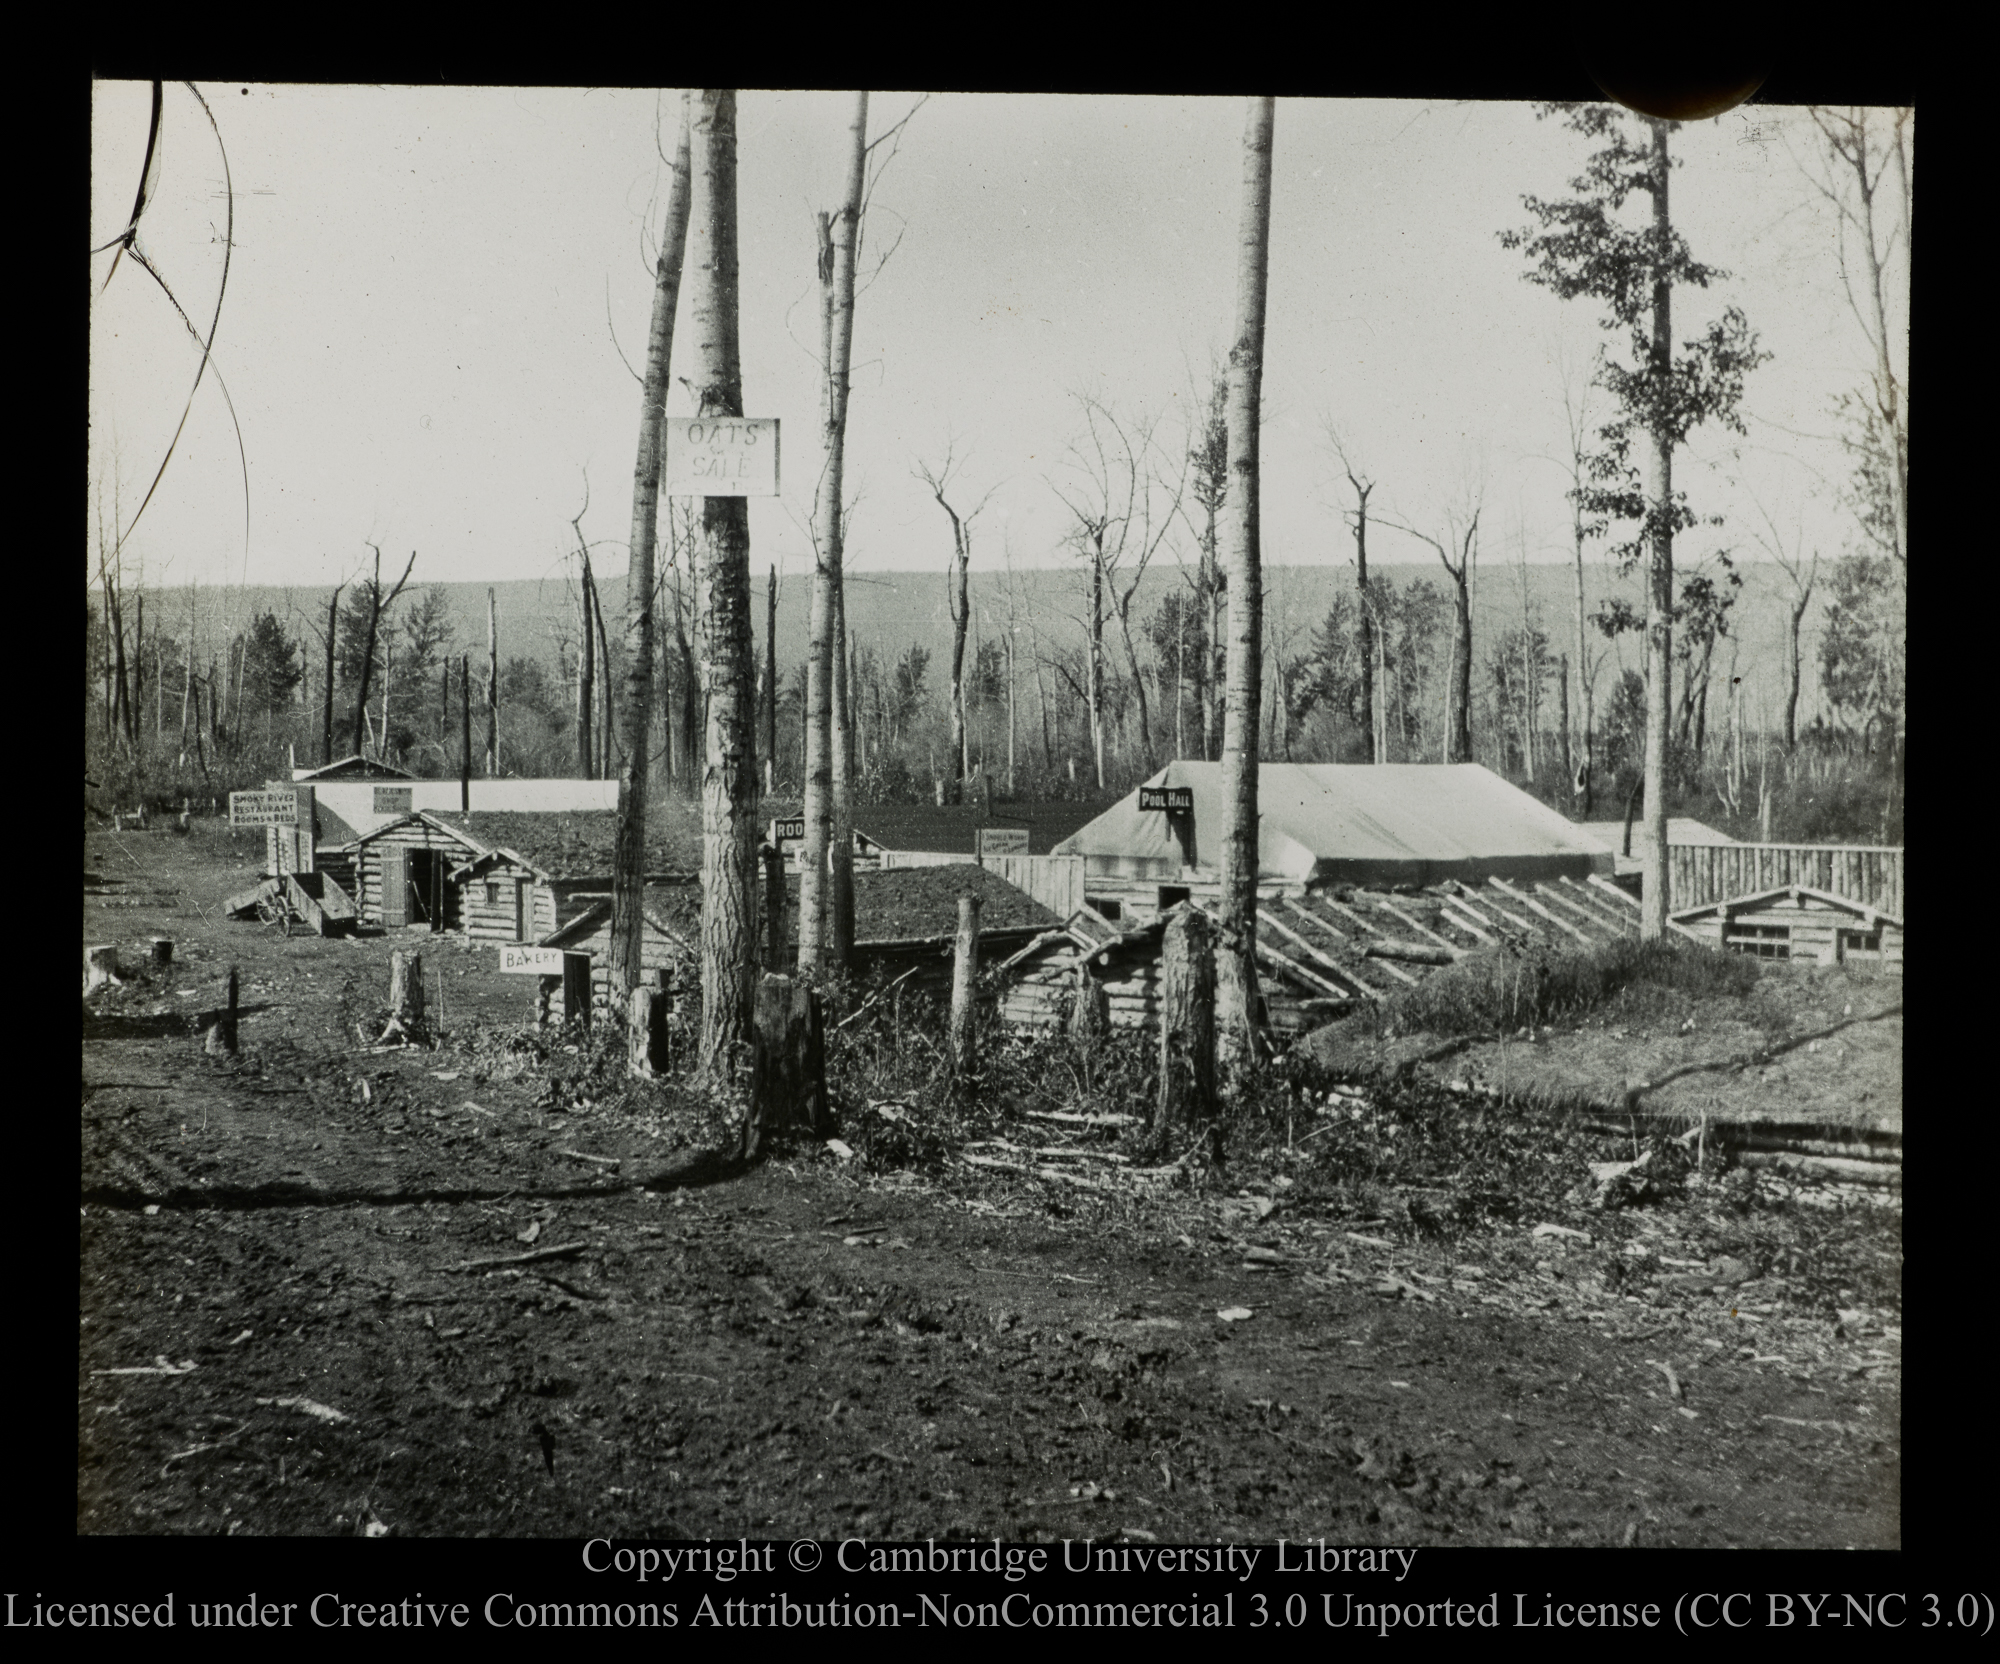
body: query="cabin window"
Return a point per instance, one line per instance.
(1172, 895)
(1865, 943)
(1760, 941)
(1106, 906)
(492, 893)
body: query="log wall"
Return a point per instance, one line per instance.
(500, 920)
(411, 835)
(1698, 874)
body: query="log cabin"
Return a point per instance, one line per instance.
(1796, 923)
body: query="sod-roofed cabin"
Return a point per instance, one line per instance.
(1324, 951)
(1798, 923)
(420, 871)
(669, 944)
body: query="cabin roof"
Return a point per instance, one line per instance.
(954, 830)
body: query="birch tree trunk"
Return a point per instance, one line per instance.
(1660, 586)
(846, 770)
(1584, 759)
(1236, 965)
(771, 681)
(635, 714)
(729, 773)
(586, 674)
(827, 855)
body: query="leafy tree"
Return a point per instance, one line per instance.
(525, 682)
(272, 666)
(1861, 662)
(906, 696)
(427, 637)
(1580, 248)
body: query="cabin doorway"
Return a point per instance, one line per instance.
(427, 890)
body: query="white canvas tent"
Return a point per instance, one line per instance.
(1329, 823)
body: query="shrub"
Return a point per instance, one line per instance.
(1500, 991)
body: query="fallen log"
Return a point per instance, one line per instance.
(1414, 953)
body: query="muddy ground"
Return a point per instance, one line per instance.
(285, 1324)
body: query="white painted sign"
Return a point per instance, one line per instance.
(1002, 840)
(537, 961)
(722, 456)
(263, 808)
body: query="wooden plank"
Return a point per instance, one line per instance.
(1321, 898)
(1285, 930)
(1599, 881)
(1617, 920)
(1417, 925)
(1534, 931)
(1465, 924)
(1311, 979)
(1551, 896)
(1530, 902)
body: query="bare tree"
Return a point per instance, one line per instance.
(1457, 551)
(729, 777)
(1362, 484)
(1122, 504)
(939, 480)
(1801, 571)
(1235, 957)
(1861, 150)
(378, 604)
(827, 769)
(628, 882)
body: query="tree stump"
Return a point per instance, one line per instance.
(1186, 1105)
(646, 1033)
(221, 1038)
(163, 952)
(964, 988)
(406, 996)
(100, 968)
(788, 1068)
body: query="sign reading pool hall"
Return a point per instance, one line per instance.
(1175, 800)
(722, 456)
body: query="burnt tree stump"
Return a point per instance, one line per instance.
(788, 1068)
(221, 1038)
(406, 996)
(100, 967)
(646, 1032)
(1186, 1106)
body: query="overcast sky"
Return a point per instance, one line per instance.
(418, 330)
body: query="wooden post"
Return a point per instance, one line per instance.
(646, 1032)
(163, 952)
(465, 733)
(100, 967)
(964, 984)
(576, 989)
(774, 906)
(1187, 1031)
(788, 1070)
(222, 1037)
(546, 989)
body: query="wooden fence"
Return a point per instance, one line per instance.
(1056, 881)
(1698, 874)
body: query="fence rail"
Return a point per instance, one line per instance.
(1056, 881)
(1698, 874)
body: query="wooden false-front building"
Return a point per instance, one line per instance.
(1796, 923)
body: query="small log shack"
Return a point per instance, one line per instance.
(1798, 923)
(670, 943)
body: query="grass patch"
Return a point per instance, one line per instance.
(1499, 992)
